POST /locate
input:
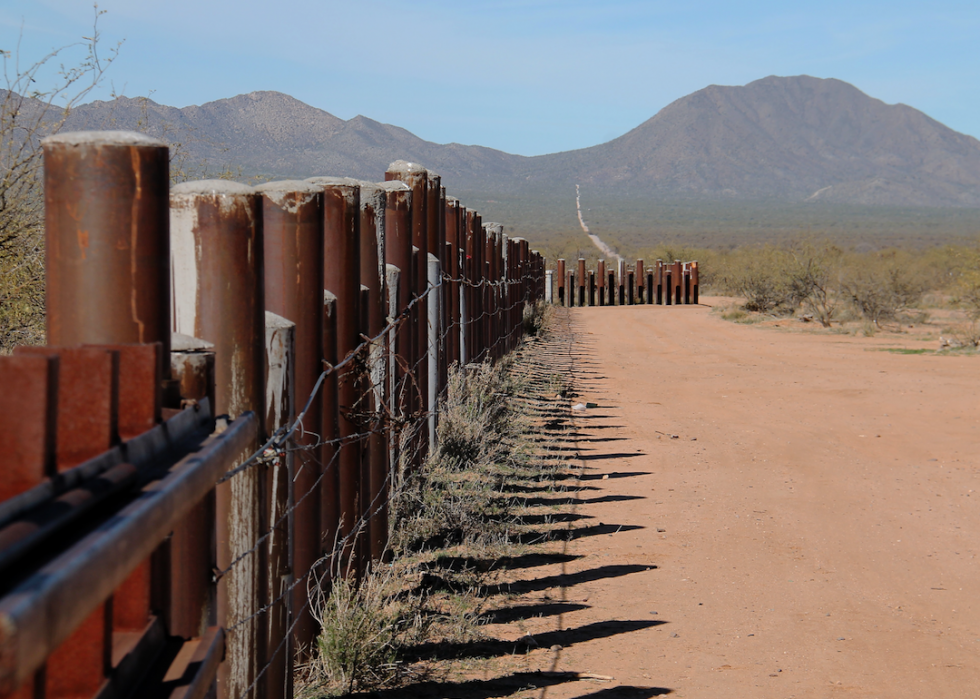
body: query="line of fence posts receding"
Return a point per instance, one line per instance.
(663, 284)
(236, 380)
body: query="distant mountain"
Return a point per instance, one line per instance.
(790, 139)
(796, 138)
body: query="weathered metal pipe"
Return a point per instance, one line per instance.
(107, 255)
(217, 260)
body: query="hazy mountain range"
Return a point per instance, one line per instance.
(788, 139)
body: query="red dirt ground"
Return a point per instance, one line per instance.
(788, 514)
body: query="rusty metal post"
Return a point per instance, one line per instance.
(374, 200)
(695, 284)
(274, 649)
(629, 286)
(473, 274)
(571, 287)
(398, 255)
(330, 509)
(393, 289)
(591, 288)
(416, 177)
(107, 239)
(342, 278)
(677, 279)
(292, 219)
(217, 263)
(453, 226)
(108, 283)
(465, 289)
(192, 366)
(658, 281)
(581, 281)
(687, 282)
(622, 282)
(433, 315)
(436, 244)
(561, 282)
(602, 282)
(640, 283)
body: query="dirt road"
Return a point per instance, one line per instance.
(779, 514)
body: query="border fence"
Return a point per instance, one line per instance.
(236, 380)
(663, 284)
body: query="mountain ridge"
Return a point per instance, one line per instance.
(800, 139)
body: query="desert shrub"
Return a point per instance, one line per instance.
(764, 277)
(882, 286)
(815, 278)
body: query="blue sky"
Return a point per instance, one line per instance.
(524, 76)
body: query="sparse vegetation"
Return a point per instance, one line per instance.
(453, 524)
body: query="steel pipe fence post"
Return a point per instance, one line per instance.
(393, 291)
(468, 297)
(274, 650)
(581, 281)
(435, 245)
(398, 255)
(622, 282)
(687, 282)
(571, 286)
(417, 177)
(659, 281)
(561, 282)
(640, 279)
(677, 279)
(107, 254)
(107, 261)
(330, 505)
(342, 277)
(650, 298)
(629, 285)
(601, 274)
(453, 212)
(374, 201)
(549, 284)
(433, 317)
(192, 363)
(217, 262)
(695, 284)
(591, 288)
(292, 221)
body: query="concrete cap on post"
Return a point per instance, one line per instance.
(106, 197)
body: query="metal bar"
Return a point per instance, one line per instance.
(49, 606)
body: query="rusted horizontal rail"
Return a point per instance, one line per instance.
(46, 607)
